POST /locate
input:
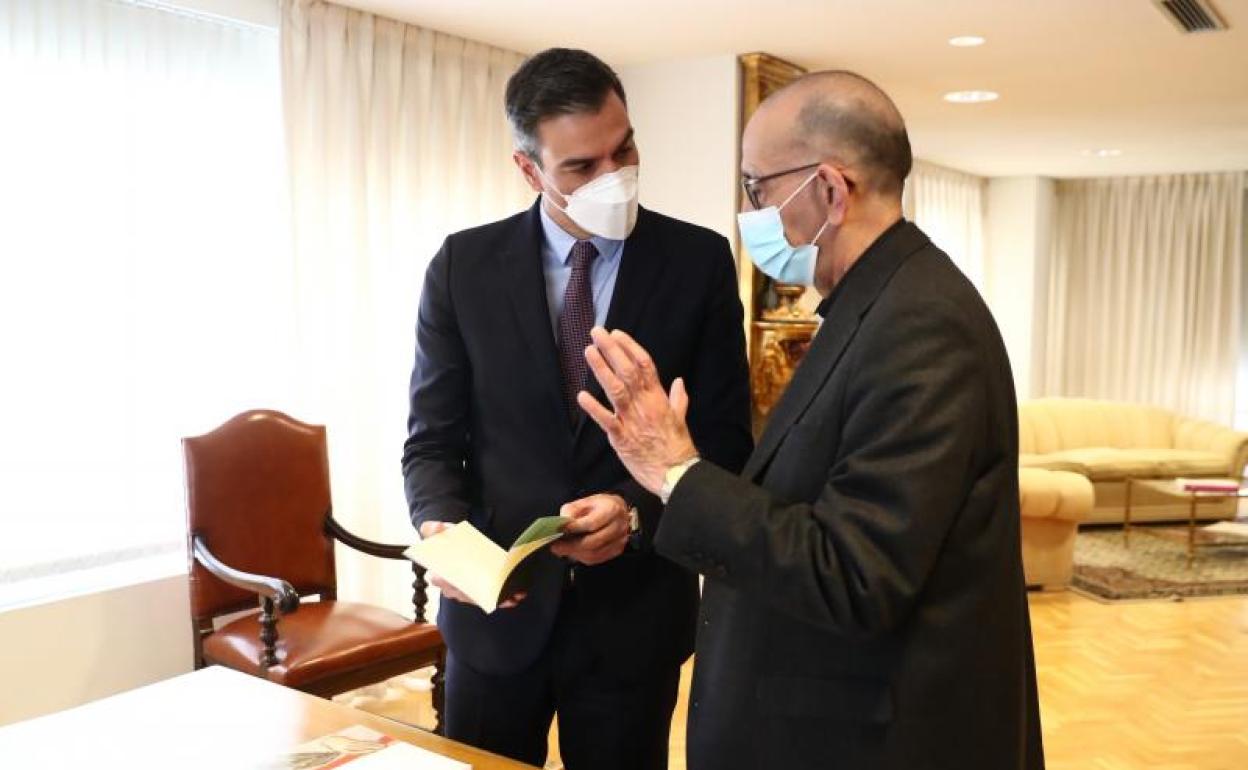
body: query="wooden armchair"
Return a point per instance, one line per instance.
(260, 528)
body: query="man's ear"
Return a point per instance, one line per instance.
(837, 191)
(528, 169)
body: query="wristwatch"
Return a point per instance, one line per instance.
(673, 475)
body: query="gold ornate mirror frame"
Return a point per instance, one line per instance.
(778, 328)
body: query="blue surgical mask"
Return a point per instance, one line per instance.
(762, 234)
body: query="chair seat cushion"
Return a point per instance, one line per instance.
(1110, 464)
(321, 639)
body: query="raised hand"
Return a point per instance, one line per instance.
(647, 428)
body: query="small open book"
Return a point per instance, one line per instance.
(474, 564)
(1219, 486)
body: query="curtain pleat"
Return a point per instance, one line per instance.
(1145, 291)
(395, 138)
(949, 206)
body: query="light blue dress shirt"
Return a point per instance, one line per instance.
(557, 268)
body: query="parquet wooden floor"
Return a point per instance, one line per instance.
(1158, 685)
(1130, 686)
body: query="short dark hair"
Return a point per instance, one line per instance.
(557, 81)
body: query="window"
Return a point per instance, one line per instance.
(145, 277)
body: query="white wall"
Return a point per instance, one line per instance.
(69, 652)
(1018, 235)
(686, 115)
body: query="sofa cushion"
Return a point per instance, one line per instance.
(1108, 464)
(1190, 462)
(1056, 424)
(1049, 463)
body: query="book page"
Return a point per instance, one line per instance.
(546, 529)
(474, 564)
(540, 533)
(466, 559)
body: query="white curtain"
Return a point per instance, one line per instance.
(396, 137)
(1145, 291)
(949, 206)
(142, 266)
(1241, 379)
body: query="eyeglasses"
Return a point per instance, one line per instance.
(750, 184)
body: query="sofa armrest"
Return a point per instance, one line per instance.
(1045, 494)
(1201, 435)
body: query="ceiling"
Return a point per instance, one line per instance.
(1074, 75)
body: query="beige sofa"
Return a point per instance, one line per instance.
(1108, 442)
(1052, 504)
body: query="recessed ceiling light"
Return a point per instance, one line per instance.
(971, 97)
(1102, 153)
(966, 41)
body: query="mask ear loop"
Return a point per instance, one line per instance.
(548, 181)
(825, 221)
(821, 229)
(793, 194)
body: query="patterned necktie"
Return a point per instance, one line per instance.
(575, 322)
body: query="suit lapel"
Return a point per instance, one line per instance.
(859, 289)
(641, 265)
(527, 290)
(641, 268)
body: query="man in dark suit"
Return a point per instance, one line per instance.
(864, 604)
(496, 438)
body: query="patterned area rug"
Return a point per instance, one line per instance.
(1155, 565)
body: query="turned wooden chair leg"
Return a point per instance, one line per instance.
(268, 633)
(439, 695)
(420, 593)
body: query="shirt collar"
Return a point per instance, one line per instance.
(561, 241)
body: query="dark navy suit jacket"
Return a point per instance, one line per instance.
(490, 440)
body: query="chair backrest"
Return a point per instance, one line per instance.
(257, 491)
(1056, 424)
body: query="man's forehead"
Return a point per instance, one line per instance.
(581, 132)
(767, 140)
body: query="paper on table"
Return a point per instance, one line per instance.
(405, 756)
(1237, 528)
(476, 565)
(357, 746)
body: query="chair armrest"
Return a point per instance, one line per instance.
(380, 550)
(420, 598)
(1211, 437)
(279, 591)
